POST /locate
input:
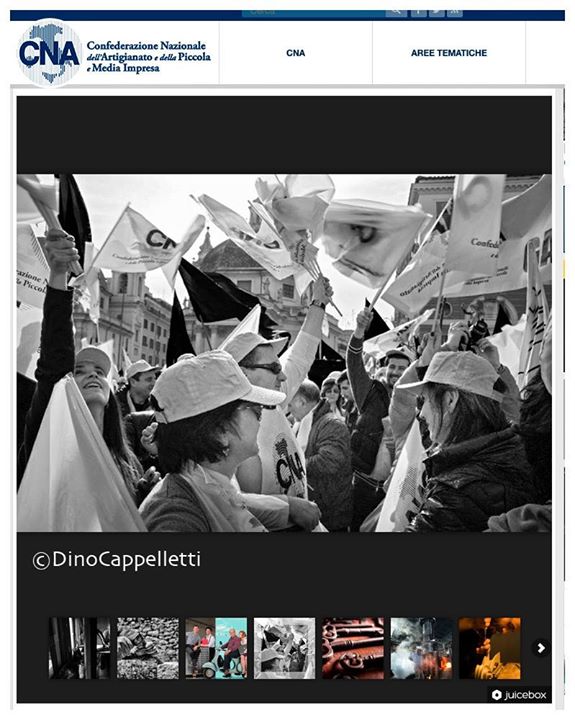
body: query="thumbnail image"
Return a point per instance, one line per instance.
(231, 648)
(421, 648)
(284, 648)
(78, 648)
(490, 648)
(352, 648)
(201, 648)
(148, 648)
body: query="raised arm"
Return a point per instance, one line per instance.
(57, 337)
(299, 357)
(359, 379)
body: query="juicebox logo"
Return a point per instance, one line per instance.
(49, 53)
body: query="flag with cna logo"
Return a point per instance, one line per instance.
(71, 482)
(135, 245)
(475, 223)
(32, 270)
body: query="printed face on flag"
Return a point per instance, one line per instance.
(476, 222)
(368, 239)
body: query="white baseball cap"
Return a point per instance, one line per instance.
(196, 385)
(140, 366)
(243, 344)
(402, 351)
(95, 355)
(462, 370)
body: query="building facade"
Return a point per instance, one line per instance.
(130, 316)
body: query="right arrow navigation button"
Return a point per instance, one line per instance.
(541, 647)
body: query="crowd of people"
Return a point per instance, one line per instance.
(241, 440)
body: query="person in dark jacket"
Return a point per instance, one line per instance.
(135, 397)
(90, 366)
(325, 441)
(372, 398)
(476, 466)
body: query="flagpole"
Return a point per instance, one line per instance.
(436, 319)
(206, 334)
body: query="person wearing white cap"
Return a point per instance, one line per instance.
(279, 467)
(91, 367)
(208, 416)
(135, 397)
(476, 465)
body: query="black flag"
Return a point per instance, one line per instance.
(377, 325)
(179, 341)
(72, 213)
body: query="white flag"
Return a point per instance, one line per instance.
(537, 315)
(28, 327)
(250, 324)
(401, 335)
(88, 286)
(368, 240)
(475, 223)
(508, 343)
(32, 269)
(170, 270)
(403, 498)
(126, 362)
(135, 245)
(35, 201)
(419, 281)
(525, 217)
(71, 483)
(264, 246)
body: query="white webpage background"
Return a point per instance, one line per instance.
(547, 59)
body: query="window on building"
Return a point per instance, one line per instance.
(164, 347)
(145, 324)
(101, 303)
(123, 283)
(165, 332)
(245, 285)
(288, 291)
(150, 359)
(140, 286)
(145, 341)
(152, 327)
(157, 346)
(137, 336)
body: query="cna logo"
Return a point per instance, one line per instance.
(49, 53)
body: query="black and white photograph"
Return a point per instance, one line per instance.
(284, 648)
(147, 648)
(309, 353)
(421, 648)
(78, 648)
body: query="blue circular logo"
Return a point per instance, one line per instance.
(50, 53)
